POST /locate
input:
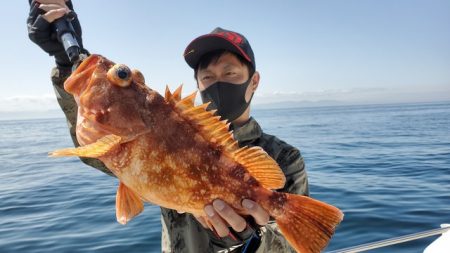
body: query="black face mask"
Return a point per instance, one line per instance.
(227, 98)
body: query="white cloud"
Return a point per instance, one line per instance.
(344, 95)
(28, 103)
(359, 95)
(48, 102)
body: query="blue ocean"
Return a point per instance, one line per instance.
(386, 166)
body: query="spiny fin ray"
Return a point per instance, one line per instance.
(168, 94)
(177, 93)
(187, 102)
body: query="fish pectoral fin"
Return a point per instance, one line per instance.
(93, 150)
(128, 204)
(261, 166)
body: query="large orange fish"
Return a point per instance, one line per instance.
(167, 151)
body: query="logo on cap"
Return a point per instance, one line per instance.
(231, 36)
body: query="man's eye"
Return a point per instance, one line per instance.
(230, 73)
(206, 78)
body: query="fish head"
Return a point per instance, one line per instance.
(111, 99)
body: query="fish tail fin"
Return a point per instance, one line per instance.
(307, 224)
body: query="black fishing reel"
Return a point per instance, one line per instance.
(66, 35)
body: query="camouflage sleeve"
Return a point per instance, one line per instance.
(293, 166)
(69, 107)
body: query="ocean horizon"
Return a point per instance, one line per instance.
(387, 166)
(303, 104)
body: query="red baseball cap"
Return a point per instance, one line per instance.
(218, 39)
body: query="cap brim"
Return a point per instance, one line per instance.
(208, 43)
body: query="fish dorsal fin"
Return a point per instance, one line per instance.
(187, 102)
(254, 159)
(93, 150)
(168, 94)
(261, 166)
(128, 204)
(210, 126)
(177, 94)
(174, 97)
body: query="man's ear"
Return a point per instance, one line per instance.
(255, 81)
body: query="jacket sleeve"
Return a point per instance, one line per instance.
(293, 166)
(290, 161)
(69, 107)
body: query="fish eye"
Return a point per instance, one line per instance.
(120, 75)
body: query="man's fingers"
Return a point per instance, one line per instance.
(229, 215)
(254, 209)
(59, 2)
(49, 7)
(217, 222)
(220, 215)
(52, 15)
(54, 10)
(201, 220)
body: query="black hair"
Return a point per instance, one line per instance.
(214, 56)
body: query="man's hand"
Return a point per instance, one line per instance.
(54, 9)
(41, 31)
(221, 216)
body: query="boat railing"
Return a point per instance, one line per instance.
(393, 241)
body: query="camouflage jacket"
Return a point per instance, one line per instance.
(182, 232)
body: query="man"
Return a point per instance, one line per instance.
(225, 71)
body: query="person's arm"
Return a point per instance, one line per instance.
(69, 107)
(40, 31)
(293, 166)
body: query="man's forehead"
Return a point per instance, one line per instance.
(226, 60)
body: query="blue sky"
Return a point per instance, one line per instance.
(378, 51)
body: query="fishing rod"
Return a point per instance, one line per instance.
(392, 241)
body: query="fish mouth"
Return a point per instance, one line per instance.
(80, 78)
